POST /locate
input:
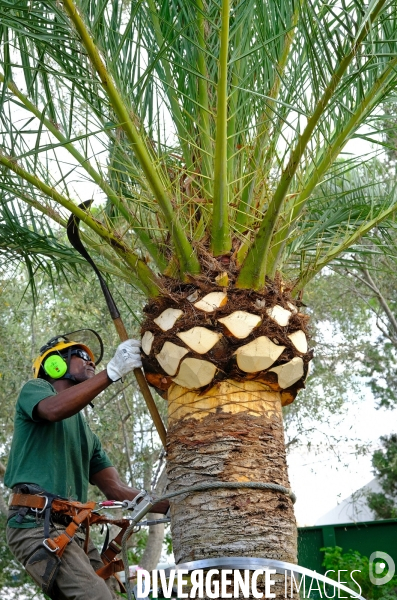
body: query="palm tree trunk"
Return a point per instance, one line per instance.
(233, 432)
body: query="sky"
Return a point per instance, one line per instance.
(321, 481)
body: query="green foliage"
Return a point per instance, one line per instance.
(384, 462)
(380, 367)
(335, 560)
(135, 554)
(168, 542)
(339, 338)
(25, 237)
(376, 284)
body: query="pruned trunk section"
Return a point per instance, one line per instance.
(233, 432)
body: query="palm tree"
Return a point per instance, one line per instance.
(213, 135)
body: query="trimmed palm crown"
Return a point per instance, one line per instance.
(212, 134)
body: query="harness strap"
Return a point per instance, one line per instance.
(80, 513)
(114, 548)
(59, 543)
(113, 569)
(110, 569)
(112, 564)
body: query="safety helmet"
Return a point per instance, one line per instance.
(55, 355)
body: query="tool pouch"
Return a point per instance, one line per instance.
(43, 566)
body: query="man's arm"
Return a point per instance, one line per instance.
(70, 401)
(110, 484)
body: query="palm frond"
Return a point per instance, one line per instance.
(357, 201)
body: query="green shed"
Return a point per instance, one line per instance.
(366, 537)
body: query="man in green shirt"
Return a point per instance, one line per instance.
(53, 450)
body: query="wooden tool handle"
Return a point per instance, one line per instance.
(140, 377)
(121, 330)
(146, 393)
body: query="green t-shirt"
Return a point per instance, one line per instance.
(59, 457)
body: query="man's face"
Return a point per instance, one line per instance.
(81, 369)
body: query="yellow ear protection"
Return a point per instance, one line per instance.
(55, 355)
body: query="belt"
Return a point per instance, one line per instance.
(36, 505)
(71, 514)
(29, 501)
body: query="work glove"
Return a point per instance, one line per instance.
(127, 358)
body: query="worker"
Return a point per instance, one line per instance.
(54, 453)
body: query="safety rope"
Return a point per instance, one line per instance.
(211, 485)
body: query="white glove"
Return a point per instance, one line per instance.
(127, 358)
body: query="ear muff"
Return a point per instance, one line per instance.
(55, 366)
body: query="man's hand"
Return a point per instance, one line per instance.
(126, 359)
(110, 484)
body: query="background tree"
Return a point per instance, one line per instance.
(212, 133)
(384, 462)
(340, 330)
(376, 286)
(353, 325)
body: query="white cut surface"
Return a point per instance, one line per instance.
(147, 341)
(292, 307)
(168, 318)
(289, 373)
(212, 301)
(258, 355)
(260, 303)
(193, 297)
(170, 356)
(195, 373)
(240, 323)
(199, 339)
(299, 340)
(279, 314)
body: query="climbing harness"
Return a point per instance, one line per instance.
(74, 516)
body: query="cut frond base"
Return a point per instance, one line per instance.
(242, 339)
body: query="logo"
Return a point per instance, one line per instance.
(381, 563)
(234, 577)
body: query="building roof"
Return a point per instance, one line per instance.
(353, 509)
